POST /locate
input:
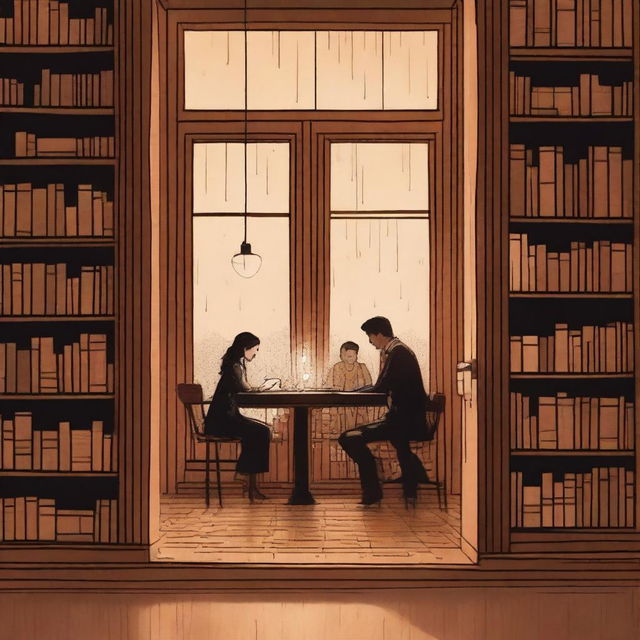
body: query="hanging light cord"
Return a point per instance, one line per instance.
(246, 108)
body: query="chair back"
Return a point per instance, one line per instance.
(191, 397)
(435, 408)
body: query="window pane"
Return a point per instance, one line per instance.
(285, 67)
(218, 184)
(224, 304)
(214, 70)
(390, 257)
(349, 69)
(411, 70)
(386, 176)
(281, 70)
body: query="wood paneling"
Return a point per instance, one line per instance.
(492, 261)
(133, 47)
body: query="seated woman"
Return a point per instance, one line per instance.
(224, 418)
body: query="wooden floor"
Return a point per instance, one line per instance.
(335, 530)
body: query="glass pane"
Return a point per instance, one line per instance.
(411, 70)
(218, 183)
(349, 69)
(385, 176)
(281, 70)
(392, 257)
(224, 304)
(214, 70)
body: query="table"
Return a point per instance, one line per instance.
(302, 402)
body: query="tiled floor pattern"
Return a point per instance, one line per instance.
(335, 530)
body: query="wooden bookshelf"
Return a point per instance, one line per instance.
(568, 177)
(55, 446)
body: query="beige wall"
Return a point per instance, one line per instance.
(434, 614)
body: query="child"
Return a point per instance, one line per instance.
(348, 375)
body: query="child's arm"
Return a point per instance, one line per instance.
(365, 374)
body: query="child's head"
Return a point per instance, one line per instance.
(349, 352)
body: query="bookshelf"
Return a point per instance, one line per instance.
(573, 273)
(58, 311)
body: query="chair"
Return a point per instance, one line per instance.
(191, 397)
(435, 408)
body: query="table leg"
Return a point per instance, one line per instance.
(301, 424)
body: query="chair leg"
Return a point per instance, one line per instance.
(437, 478)
(206, 477)
(218, 474)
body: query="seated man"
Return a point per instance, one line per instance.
(401, 379)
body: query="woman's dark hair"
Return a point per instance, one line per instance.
(378, 324)
(350, 346)
(235, 352)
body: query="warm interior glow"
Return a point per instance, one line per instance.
(391, 257)
(225, 304)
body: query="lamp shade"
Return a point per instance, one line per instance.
(246, 263)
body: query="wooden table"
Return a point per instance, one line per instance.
(302, 402)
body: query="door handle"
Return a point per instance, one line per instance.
(466, 371)
(468, 365)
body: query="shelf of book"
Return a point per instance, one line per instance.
(573, 113)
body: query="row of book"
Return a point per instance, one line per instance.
(74, 89)
(603, 266)
(28, 145)
(11, 92)
(44, 289)
(79, 367)
(47, 22)
(28, 211)
(65, 449)
(598, 186)
(571, 422)
(588, 98)
(34, 519)
(590, 349)
(602, 497)
(571, 23)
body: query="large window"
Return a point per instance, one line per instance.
(350, 70)
(225, 304)
(380, 244)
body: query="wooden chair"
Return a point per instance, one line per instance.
(435, 409)
(191, 397)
